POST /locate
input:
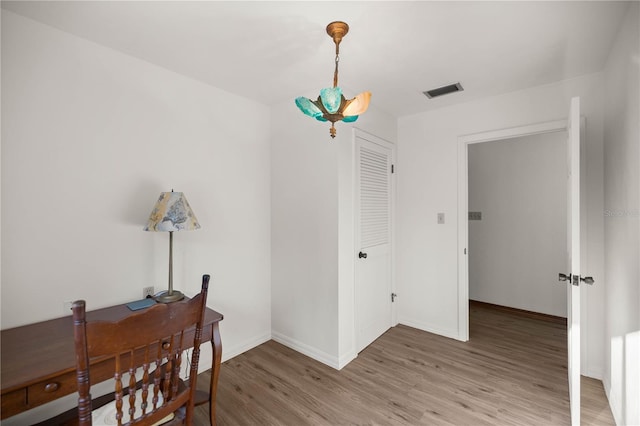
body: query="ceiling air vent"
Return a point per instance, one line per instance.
(444, 90)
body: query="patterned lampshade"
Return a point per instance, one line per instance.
(172, 213)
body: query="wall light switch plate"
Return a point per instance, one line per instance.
(440, 218)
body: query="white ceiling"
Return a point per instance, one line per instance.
(274, 51)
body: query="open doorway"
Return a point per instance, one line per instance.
(464, 142)
(517, 223)
(574, 128)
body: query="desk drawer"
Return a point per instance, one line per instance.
(14, 402)
(48, 390)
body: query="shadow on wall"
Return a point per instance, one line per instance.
(140, 202)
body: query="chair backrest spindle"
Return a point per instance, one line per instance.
(154, 337)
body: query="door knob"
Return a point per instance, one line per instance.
(573, 279)
(362, 255)
(567, 277)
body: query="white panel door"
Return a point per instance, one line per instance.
(373, 241)
(573, 247)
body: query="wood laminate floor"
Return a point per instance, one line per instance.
(512, 371)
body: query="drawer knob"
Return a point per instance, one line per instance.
(166, 345)
(51, 387)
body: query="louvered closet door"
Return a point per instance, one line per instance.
(373, 241)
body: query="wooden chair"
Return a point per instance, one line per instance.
(146, 348)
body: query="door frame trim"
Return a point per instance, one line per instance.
(463, 200)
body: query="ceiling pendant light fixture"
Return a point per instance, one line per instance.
(331, 104)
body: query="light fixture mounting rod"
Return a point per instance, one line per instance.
(337, 30)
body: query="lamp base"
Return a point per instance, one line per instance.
(165, 297)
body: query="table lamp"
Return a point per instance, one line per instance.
(171, 213)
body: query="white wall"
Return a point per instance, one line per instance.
(304, 226)
(519, 246)
(312, 231)
(90, 138)
(622, 222)
(427, 184)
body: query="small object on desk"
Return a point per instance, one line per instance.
(141, 304)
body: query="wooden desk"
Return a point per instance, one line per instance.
(38, 360)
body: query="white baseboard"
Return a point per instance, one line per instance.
(346, 359)
(594, 373)
(310, 351)
(452, 334)
(228, 353)
(206, 353)
(613, 405)
(613, 402)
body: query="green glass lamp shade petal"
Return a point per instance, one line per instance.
(350, 119)
(331, 98)
(321, 118)
(308, 107)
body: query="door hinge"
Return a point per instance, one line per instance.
(393, 168)
(393, 297)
